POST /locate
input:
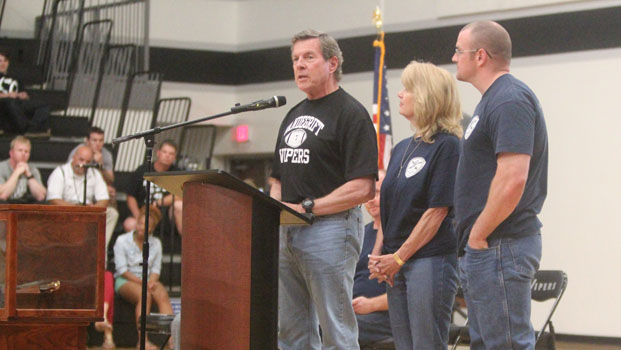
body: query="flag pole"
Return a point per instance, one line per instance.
(379, 42)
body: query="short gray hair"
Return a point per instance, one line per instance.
(329, 47)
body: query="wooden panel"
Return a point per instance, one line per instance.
(53, 243)
(68, 241)
(216, 268)
(43, 337)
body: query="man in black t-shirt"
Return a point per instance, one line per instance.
(500, 188)
(18, 113)
(325, 164)
(166, 156)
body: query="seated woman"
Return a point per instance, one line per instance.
(128, 259)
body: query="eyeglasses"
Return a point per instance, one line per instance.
(459, 52)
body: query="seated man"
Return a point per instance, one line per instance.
(18, 113)
(370, 300)
(20, 182)
(166, 155)
(66, 186)
(101, 156)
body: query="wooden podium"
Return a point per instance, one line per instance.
(51, 275)
(229, 273)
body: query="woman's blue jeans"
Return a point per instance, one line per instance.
(420, 302)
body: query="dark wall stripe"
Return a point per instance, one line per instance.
(547, 34)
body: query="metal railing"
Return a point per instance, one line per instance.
(171, 111)
(59, 33)
(196, 147)
(137, 115)
(87, 74)
(110, 95)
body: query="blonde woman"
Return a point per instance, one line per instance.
(419, 260)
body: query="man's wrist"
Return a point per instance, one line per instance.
(28, 177)
(308, 204)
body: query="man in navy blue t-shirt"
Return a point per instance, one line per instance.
(500, 188)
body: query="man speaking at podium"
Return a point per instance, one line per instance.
(325, 164)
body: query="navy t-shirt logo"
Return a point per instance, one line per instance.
(471, 126)
(414, 166)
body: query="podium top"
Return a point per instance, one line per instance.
(50, 208)
(173, 182)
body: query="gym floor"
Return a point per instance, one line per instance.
(560, 345)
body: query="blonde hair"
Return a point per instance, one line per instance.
(435, 98)
(21, 140)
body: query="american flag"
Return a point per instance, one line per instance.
(381, 109)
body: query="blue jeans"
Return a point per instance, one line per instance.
(420, 302)
(316, 278)
(496, 283)
(373, 327)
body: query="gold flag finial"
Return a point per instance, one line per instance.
(377, 18)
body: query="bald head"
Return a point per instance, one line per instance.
(82, 155)
(492, 37)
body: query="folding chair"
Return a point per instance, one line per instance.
(547, 284)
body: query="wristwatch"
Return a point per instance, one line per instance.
(308, 205)
(29, 177)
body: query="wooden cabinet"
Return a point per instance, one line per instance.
(51, 275)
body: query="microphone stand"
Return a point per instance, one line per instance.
(149, 139)
(84, 200)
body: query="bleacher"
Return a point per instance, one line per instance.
(89, 63)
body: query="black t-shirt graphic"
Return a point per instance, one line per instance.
(322, 144)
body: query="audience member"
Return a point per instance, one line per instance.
(370, 301)
(66, 187)
(500, 188)
(20, 182)
(420, 260)
(102, 157)
(18, 113)
(128, 262)
(166, 155)
(325, 163)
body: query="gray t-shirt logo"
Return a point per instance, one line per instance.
(414, 166)
(471, 126)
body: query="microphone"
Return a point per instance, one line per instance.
(90, 165)
(273, 102)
